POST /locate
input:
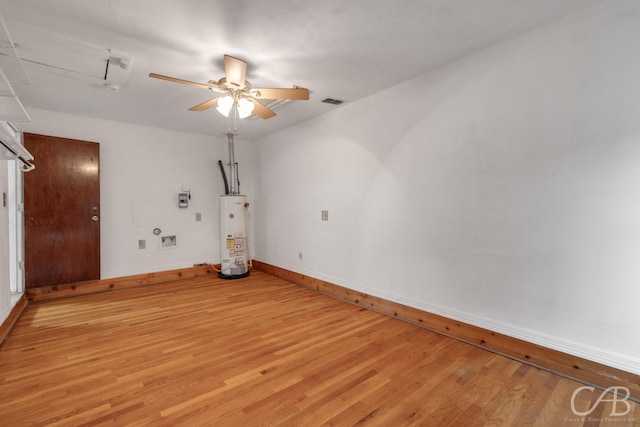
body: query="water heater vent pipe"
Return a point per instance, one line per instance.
(233, 166)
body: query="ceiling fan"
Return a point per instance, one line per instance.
(237, 92)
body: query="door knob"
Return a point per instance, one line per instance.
(95, 218)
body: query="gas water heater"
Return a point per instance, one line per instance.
(234, 211)
(233, 237)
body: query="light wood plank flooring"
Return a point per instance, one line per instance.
(263, 351)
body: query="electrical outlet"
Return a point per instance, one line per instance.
(198, 216)
(142, 244)
(325, 215)
(300, 255)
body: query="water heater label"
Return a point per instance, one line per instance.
(235, 246)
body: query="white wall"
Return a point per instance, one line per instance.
(142, 172)
(501, 190)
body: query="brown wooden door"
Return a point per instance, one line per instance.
(62, 211)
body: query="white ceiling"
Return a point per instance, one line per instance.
(336, 48)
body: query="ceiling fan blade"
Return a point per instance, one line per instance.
(297, 93)
(184, 82)
(261, 110)
(206, 104)
(235, 70)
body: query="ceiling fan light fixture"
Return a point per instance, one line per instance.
(245, 108)
(238, 98)
(224, 105)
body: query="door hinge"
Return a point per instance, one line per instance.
(4, 199)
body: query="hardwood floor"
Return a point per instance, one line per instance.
(263, 351)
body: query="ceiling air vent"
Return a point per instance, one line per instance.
(332, 101)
